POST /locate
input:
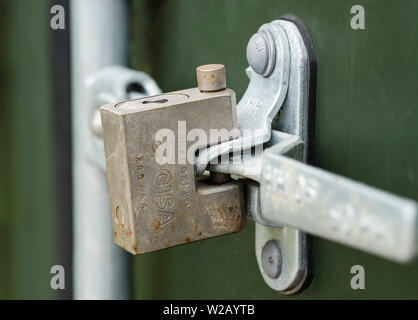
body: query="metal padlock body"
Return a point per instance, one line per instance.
(156, 206)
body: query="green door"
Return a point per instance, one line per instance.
(366, 128)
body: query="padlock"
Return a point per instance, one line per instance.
(155, 197)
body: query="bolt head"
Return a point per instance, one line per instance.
(258, 53)
(271, 259)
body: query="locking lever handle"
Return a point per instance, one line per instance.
(322, 203)
(336, 208)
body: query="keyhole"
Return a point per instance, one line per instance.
(155, 101)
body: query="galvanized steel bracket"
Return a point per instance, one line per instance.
(292, 119)
(287, 196)
(282, 103)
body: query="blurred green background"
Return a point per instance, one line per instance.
(27, 199)
(366, 129)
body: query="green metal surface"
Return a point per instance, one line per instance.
(27, 217)
(366, 129)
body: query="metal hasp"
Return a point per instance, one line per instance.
(287, 193)
(290, 244)
(277, 97)
(316, 201)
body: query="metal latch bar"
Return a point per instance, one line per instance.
(337, 208)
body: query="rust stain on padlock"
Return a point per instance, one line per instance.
(157, 206)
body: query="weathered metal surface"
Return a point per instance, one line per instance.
(156, 206)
